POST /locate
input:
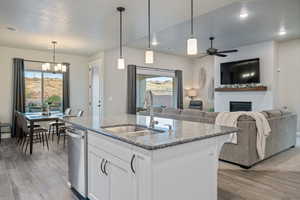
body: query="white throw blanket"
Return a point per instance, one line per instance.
(262, 125)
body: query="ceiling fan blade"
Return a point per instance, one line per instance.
(228, 51)
(202, 56)
(220, 55)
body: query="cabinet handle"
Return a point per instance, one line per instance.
(104, 168)
(131, 163)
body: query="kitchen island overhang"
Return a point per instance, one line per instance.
(182, 164)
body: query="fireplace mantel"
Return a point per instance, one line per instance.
(255, 89)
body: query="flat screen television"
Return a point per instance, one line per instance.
(240, 72)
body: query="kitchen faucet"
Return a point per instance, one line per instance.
(149, 106)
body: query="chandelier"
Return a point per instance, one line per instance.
(56, 67)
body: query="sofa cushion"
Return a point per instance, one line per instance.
(192, 112)
(265, 114)
(285, 112)
(274, 113)
(190, 118)
(157, 109)
(211, 114)
(171, 111)
(246, 118)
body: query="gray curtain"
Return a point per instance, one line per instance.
(179, 87)
(66, 88)
(18, 92)
(131, 89)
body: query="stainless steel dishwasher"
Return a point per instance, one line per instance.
(77, 161)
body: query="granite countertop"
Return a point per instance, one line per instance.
(182, 131)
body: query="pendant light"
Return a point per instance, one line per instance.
(121, 61)
(192, 46)
(58, 67)
(149, 54)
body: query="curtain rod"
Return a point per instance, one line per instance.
(155, 69)
(38, 61)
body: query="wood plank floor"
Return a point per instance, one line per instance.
(277, 178)
(43, 176)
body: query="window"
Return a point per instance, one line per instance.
(42, 88)
(162, 88)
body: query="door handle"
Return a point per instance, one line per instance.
(104, 168)
(131, 163)
(101, 166)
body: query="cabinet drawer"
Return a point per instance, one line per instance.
(111, 146)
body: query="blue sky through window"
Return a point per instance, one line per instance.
(160, 79)
(30, 74)
(33, 74)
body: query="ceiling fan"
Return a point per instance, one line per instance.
(215, 52)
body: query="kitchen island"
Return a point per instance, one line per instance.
(173, 160)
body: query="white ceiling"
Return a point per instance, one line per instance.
(264, 22)
(85, 27)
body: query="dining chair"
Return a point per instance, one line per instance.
(39, 133)
(62, 129)
(18, 128)
(53, 125)
(20, 134)
(80, 113)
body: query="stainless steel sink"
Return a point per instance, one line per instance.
(131, 129)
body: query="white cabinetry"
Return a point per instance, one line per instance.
(110, 178)
(120, 171)
(98, 182)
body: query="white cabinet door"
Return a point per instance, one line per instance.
(122, 182)
(115, 181)
(98, 182)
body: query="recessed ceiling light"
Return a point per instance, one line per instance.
(282, 32)
(11, 28)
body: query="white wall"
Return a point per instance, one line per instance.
(203, 80)
(267, 52)
(115, 81)
(289, 76)
(78, 77)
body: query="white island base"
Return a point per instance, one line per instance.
(120, 171)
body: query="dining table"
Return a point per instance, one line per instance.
(33, 118)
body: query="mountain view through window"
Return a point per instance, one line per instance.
(43, 88)
(161, 87)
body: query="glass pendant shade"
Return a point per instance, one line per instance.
(121, 63)
(192, 46)
(149, 56)
(58, 68)
(121, 60)
(46, 67)
(64, 68)
(149, 53)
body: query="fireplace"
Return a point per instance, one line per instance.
(240, 106)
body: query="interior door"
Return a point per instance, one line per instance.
(96, 90)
